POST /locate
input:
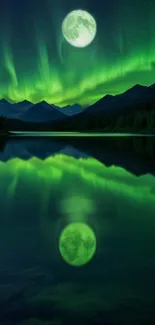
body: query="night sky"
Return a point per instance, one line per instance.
(36, 63)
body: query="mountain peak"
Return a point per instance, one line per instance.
(136, 87)
(3, 101)
(68, 110)
(42, 112)
(43, 102)
(26, 102)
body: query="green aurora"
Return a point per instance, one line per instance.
(72, 181)
(36, 63)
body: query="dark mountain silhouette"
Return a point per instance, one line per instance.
(10, 110)
(70, 109)
(42, 112)
(135, 154)
(26, 148)
(132, 111)
(121, 103)
(3, 101)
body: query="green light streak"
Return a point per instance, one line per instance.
(61, 168)
(62, 75)
(47, 85)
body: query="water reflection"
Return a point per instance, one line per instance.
(38, 198)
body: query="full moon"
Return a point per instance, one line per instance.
(79, 28)
(77, 244)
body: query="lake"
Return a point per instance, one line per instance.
(105, 183)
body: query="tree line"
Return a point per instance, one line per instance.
(3, 123)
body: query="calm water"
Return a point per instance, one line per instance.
(46, 184)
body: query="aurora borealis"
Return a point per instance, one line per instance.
(36, 63)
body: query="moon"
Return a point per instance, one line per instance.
(79, 28)
(77, 244)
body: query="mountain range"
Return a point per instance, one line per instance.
(134, 154)
(134, 110)
(40, 112)
(115, 104)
